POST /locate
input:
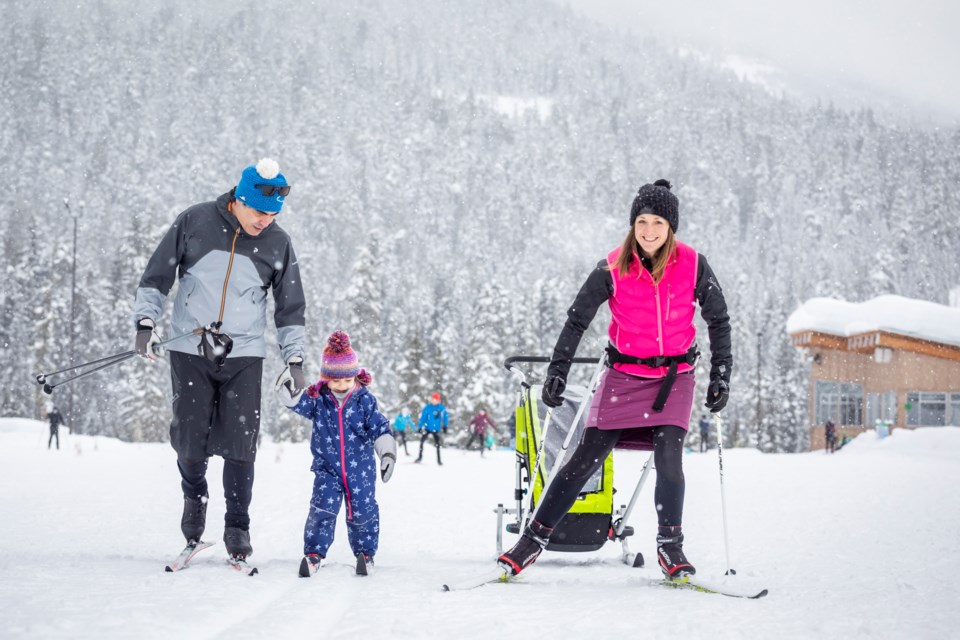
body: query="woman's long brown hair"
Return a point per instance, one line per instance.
(630, 246)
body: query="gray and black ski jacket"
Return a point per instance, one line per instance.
(197, 249)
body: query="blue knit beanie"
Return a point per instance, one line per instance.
(266, 172)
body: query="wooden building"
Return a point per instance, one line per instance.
(892, 360)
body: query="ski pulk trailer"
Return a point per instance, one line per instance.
(545, 438)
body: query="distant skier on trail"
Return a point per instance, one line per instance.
(56, 419)
(478, 430)
(644, 399)
(227, 254)
(704, 433)
(433, 419)
(401, 425)
(348, 429)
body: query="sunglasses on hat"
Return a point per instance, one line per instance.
(270, 189)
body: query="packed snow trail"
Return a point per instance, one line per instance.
(832, 537)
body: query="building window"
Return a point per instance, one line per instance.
(840, 402)
(881, 406)
(955, 409)
(851, 404)
(927, 409)
(826, 402)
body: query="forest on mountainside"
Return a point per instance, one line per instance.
(458, 169)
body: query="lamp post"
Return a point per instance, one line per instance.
(759, 415)
(73, 307)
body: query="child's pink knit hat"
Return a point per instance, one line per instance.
(339, 359)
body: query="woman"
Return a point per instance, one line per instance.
(645, 396)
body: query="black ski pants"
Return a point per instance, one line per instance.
(54, 434)
(436, 442)
(216, 411)
(237, 487)
(482, 437)
(594, 447)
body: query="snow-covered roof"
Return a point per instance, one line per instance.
(894, 314)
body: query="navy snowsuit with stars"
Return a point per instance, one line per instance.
(345, 467)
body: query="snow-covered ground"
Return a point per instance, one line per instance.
(854, 545)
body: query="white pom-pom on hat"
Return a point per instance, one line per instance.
(268, 168)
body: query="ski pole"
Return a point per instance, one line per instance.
(723, 496)
(104, 362)
(561, 454)
(636, 494)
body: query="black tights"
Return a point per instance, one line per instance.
(595, 445)
(237, 487)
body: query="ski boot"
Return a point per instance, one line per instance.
(310, 564)
(670, 554)
(237, 541)
(194, 518)
(533, 541)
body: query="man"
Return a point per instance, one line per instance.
(433, 418)
(227, 253)
(56, 419)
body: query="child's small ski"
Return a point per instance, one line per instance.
(497, 574)
(364, 565)
(309, 566)
(734, 588)
(183, 560)
(239, 563)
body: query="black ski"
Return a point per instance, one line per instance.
(309, 566)
(362, 569)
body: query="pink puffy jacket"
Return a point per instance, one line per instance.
(654, 319)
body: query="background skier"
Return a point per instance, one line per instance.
(644, 399)
(478, 430)
(401, 424)
(56, 419)
(227, 254)
(704, 433)
(433, 418)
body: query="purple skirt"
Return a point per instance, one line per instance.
(623, 401)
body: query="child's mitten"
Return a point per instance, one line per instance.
(386, 448)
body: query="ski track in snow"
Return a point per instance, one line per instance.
(849, 545)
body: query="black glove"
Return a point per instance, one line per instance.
(717, 393)
(444, 431)
(553, 387)
(148, 339)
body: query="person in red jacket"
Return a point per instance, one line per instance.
(652, 284)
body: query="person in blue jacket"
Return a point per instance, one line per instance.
(348, 429)
(401, 424)
(433, 418)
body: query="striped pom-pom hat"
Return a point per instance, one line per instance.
(339, 359)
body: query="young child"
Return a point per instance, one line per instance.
(347, 429)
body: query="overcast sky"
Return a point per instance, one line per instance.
(906, 49)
